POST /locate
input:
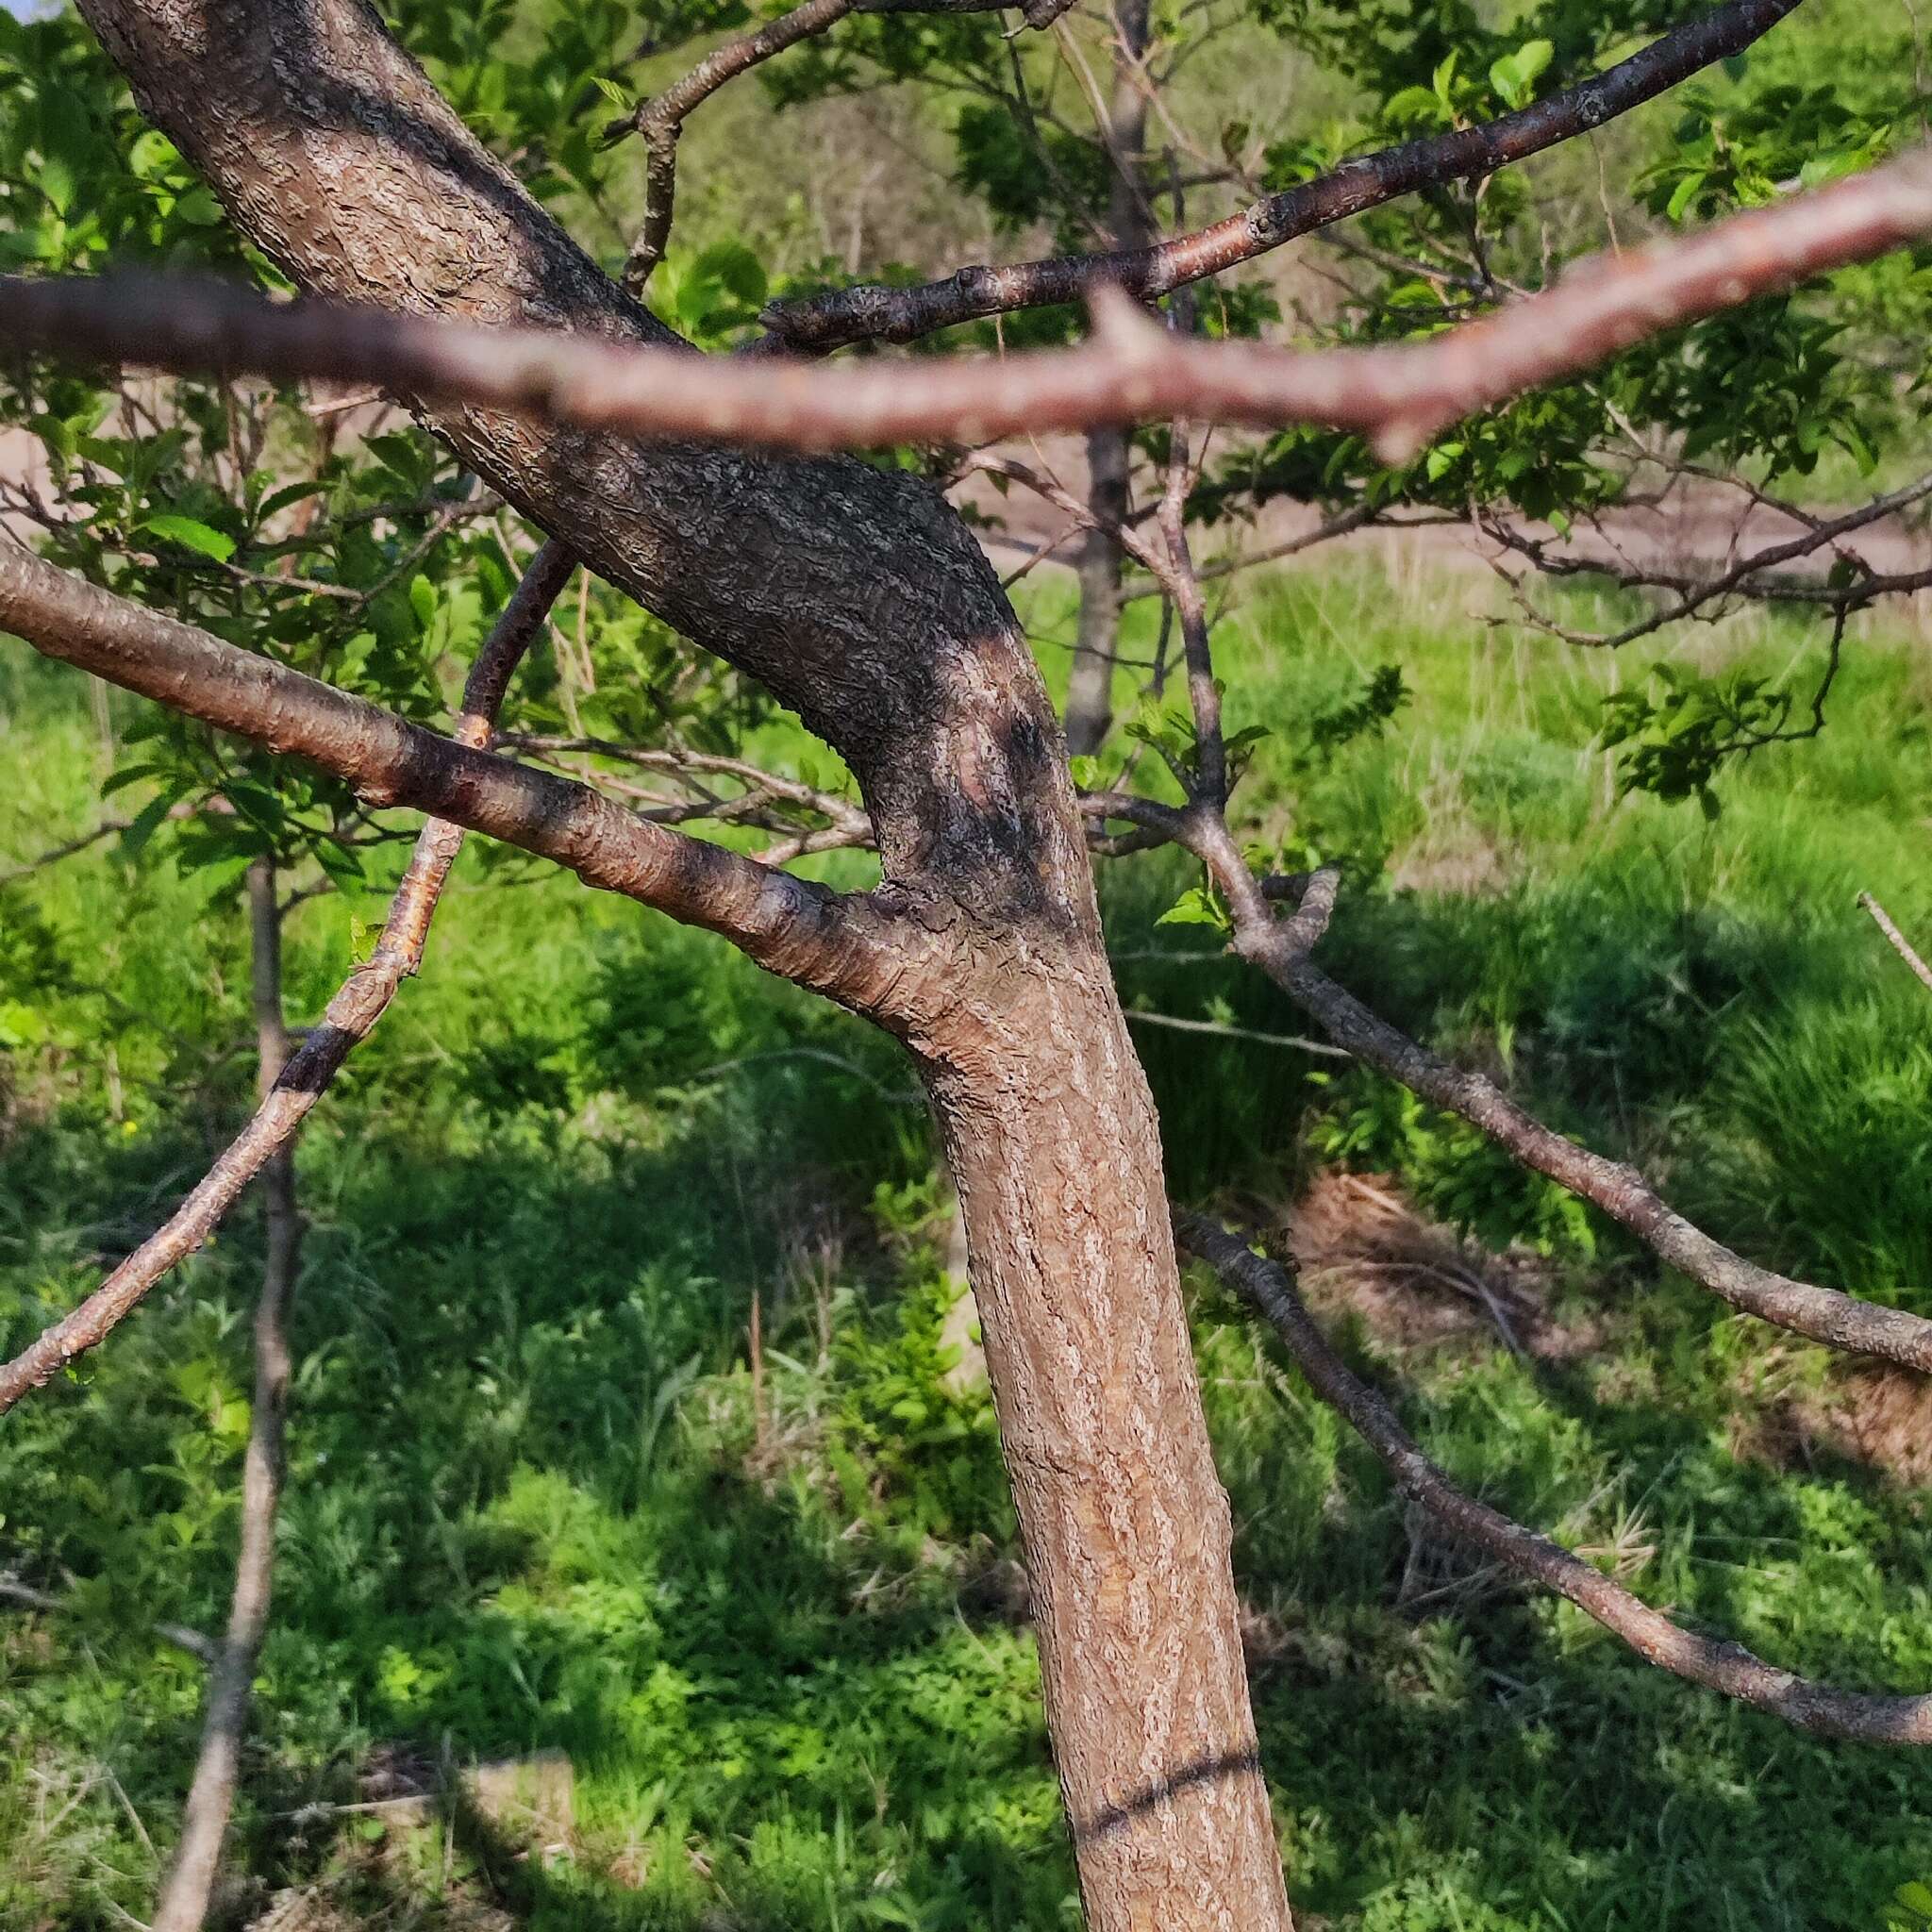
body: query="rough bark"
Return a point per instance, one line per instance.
(1090, 685)
(863, 603)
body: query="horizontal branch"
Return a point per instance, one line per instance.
(792, 927)
(873, 313)
(1129, 370)
(1724, 1667)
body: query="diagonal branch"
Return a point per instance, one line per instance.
(1899, 943)
(293, 1089)
(836, 945)
(1130, 371)
(874, 313)
(1724, 1667)
(1280, 950)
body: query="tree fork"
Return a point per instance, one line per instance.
(861, 600)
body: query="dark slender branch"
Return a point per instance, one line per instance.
(1724, 1667)
(296, 1087)
(1695, 592)
(660, 120)
(1358, 516)
(876, 313)
(13, 1590)
(1131, 371)
(67, 849)
(1900, 944)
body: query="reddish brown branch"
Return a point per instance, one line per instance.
(877, 314)
(1724, 1667)
(1900, 944)
(1131, 371)
(293, 1089)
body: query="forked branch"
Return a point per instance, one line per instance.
(1725, 1667)
(660, 120)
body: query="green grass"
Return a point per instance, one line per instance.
(533, 1503)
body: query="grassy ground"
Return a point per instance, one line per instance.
(539, 1502)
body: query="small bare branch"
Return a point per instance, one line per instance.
(293, 1089)
(1724, 1667)
(1900, 944)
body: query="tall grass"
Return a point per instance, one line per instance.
(539, 1502)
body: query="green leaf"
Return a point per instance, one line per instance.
(423, 600)
(1916, 1897)
(190, 534)
(148, 821)
(1683, 196)
(1196, 906)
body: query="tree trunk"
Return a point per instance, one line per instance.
(860, 599)
(1055, 1150)
(1090, 683)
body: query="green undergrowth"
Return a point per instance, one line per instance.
(543, 1498)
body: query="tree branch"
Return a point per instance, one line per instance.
(1900, 944)
(1129, 370)
(873, 313)
(1725, 1667)
(836, 945)
(1824, 1314)
(292, 1089)
(183, 1903)
(660, 120)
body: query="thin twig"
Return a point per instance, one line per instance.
(1900, 944)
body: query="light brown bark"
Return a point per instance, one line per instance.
(184, 1899)
(863, 602)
